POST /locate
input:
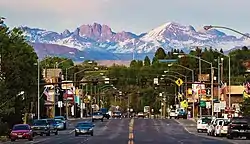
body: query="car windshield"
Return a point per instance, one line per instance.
(206, 120)
(21, 127)
(84, 125)
(97, 113)
(51, 121)
(117, 113)
(39, 122)
(239, 121)
(58, 121)
(60, 117)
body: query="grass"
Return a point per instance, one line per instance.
(4, 138)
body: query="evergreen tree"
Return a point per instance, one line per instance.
(147, 61)
(160, 53)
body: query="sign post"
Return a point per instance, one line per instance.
(60, 105)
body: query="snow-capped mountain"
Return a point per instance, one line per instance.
(100, 38)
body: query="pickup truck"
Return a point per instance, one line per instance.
(41, 127)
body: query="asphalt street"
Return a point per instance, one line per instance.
(133, 131)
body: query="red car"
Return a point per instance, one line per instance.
(21, 131)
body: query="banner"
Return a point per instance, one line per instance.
(203, 77)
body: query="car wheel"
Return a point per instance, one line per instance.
(248, 137)
(12, 140)
(92, 134)
(102, 120)
(41, 134)
(76, 134)
(30, 139)
(229, 136)
(56, 133)
(48, 134)
(198, 131)
(93, 120)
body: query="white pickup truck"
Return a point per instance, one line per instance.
(173, 114)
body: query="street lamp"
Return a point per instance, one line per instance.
(229, 76)
(38, 86)
(212, 78)
(227, 28)
(192, 71)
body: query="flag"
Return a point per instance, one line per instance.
(46, 92)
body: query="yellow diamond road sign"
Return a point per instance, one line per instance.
(179, 82)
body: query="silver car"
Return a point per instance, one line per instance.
(59, 124)
(63, 120)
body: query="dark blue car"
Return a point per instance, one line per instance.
(84, 128)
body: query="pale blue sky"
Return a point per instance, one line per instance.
(130, 15)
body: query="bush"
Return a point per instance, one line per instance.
(4, 129)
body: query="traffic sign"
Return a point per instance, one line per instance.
(208, 92)
(179, 82)
(57, 91)
(60, 104)
(217, 107)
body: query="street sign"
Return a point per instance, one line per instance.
(202, 104)
(179, 82)
(156, 81)
(57, 91)
(208, 105)
(217, 107)
(60, 104)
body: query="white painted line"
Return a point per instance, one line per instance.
(71, 131)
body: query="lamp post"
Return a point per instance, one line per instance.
(212, 78)
(192, 71)
(96, 68)
(227, 28)
(180, 75)
(38, 86)
(229, 64)
(229, 77)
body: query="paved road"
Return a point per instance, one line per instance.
(133, 131)
(190, 126)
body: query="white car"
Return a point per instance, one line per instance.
(173, 114)
(212, 125)
(202, 124)
(220, 128)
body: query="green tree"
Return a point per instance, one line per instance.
(18, 74)
(160, 53)
(147, 61)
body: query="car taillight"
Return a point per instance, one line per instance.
(232, 125)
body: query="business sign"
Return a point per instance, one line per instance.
(67, 85)
(146, 109)
(203, 77)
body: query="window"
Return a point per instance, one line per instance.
(21, 127)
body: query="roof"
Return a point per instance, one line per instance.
(21, 125)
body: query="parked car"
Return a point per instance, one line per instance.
(41, 127)
(202, 124)
(53, 126)
(21, 131)
(182, 113)
(84, 128)
(212, 125)
(221, 128)
(97, 116)
(238, 127)
(63, 120)
(173, 114)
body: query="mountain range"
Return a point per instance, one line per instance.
(99, 42)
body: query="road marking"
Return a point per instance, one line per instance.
(131, 132)
(71, 131)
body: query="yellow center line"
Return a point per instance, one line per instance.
(131, 133)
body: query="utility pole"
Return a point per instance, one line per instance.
(200, 85)
(38, 89)
(219, 79)
(212, 88)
